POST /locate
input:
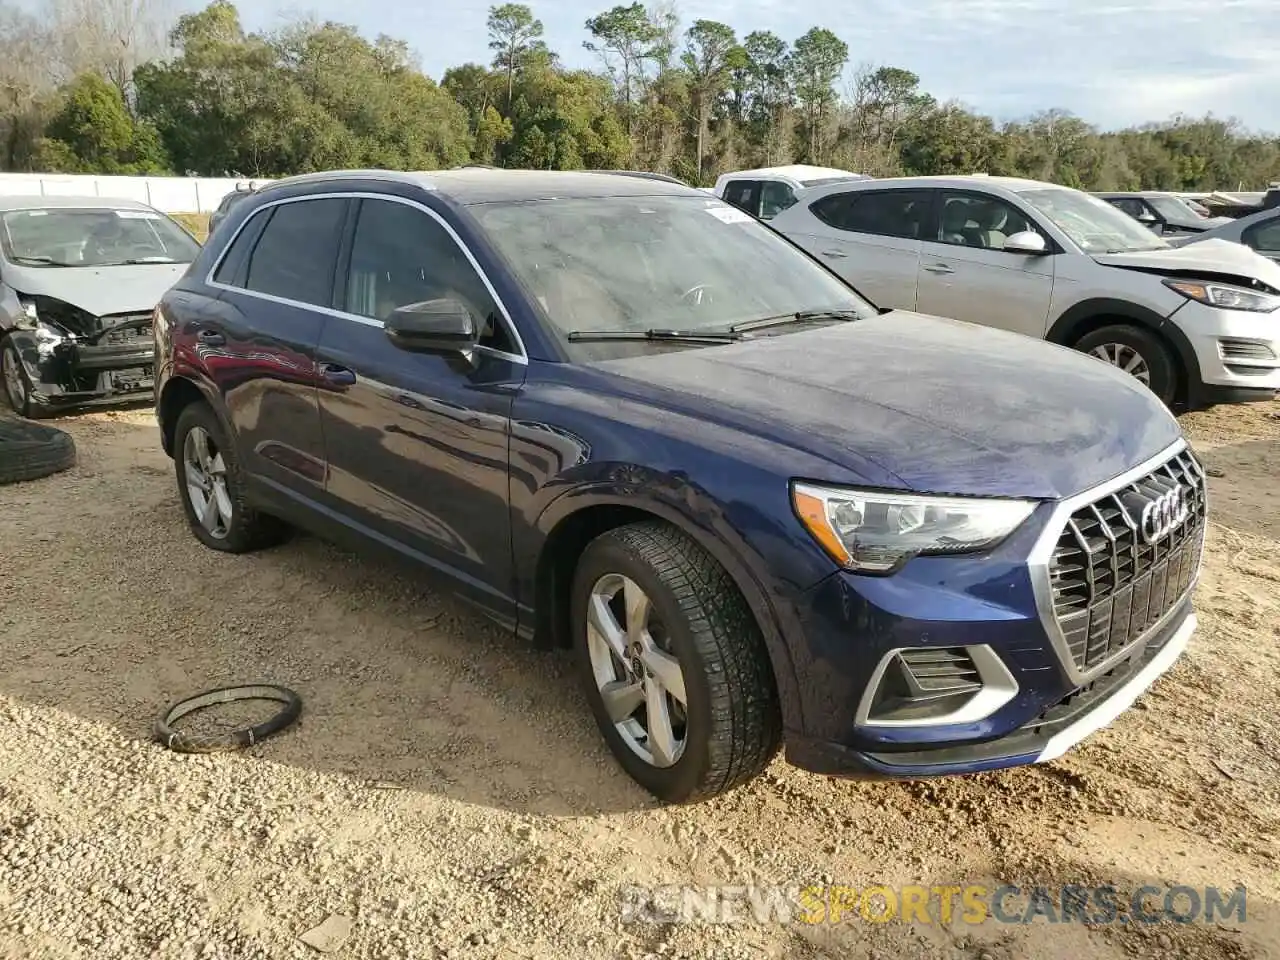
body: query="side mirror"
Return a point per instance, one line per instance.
(1026, 241)
(432, 326)
(1147, 217)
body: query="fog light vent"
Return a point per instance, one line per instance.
(930, 686)
(1232, 348)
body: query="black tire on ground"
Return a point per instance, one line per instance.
(1149, 345)
(734, 723)
(29, 451)
(249, 529)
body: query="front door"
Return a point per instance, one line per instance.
(417, 444)
(258, 340)
(966, 274)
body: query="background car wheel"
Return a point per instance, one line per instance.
(212, 487)
(13, 379)
(674, 664)
(29, 451)
(1136, 351)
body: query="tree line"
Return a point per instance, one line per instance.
(117, 87)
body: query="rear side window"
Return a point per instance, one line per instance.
(294, 257)
(885, 213)
(1264, 237)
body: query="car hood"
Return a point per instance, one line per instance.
(1212, 256)
(940, 405)
(101, 291)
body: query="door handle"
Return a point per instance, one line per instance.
(335, 374)
(834, 255)
(939, 268)
(210, 338)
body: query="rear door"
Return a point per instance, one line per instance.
(871, 238)
(965, 273)
(258, 341)
(416, 443)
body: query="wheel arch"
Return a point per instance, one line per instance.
(573, 521)
(1089, 315)
(180, 392)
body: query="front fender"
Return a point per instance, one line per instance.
(700, 517)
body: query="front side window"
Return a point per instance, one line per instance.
(885, 213)
(633, 264)
(1092, 224)
(978, 220)
(1264, 237)
(93, 237)
(294, 257)
(401, 255)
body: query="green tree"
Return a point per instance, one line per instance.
(93, 132)
(513, 31)
(708, 46)
(625, 38)
(816, 63)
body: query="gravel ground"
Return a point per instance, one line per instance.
(446, 789)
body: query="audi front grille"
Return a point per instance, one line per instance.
(1127, 558)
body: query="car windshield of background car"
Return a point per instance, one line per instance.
(95, 237)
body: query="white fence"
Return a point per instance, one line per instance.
(170, 194)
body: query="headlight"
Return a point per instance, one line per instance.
(871, 532)
(1225, 296)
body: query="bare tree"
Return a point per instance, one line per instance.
(26, 49)
(110, 37)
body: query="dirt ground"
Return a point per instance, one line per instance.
(447, 790)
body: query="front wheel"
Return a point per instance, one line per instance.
(1136, 351)
(17, 388)
(212, 485)
(674, 664)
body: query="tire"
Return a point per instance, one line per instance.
(731, 720)
(11, 366)
(245, 529)
(1125, 341)
(29, 451)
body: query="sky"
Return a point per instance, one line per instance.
(1111, 62)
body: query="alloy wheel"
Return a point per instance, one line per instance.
(639, 679)
(205, 472)
(1126, 358)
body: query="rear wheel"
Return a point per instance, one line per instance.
(674, 665)
(212, 485)
(1136, 351)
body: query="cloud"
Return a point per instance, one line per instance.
(1112, 63)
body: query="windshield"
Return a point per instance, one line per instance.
(1173, 209)
(93, 237)
(631, 264)
(1094, 225)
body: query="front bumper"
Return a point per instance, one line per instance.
(72, 374)
(1238, 353)
(1066, 667)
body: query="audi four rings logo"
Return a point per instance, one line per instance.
(1161, 516)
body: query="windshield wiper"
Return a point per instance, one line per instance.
(48, 260)
(800, 316)
(134, 261)
(681, 336)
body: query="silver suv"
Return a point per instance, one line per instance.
(1198, 325)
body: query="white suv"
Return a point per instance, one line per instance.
(1199, 325)
(769, 190)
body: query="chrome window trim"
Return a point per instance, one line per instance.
(1042, 553)
(521, 358)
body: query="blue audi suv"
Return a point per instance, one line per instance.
(619, 415)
